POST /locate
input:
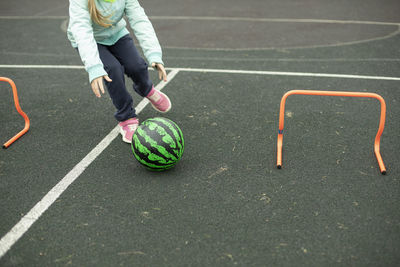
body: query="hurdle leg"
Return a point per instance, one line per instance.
(18, 108)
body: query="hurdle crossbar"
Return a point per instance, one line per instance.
(333, 93)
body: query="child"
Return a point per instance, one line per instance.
(98, 31)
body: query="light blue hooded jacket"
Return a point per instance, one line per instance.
(84, 34)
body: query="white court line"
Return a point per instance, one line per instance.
(283, 73)
(43, 66)
(33, 17)
(248, 19)
(280, 20)
(227, 71)
(33, 215)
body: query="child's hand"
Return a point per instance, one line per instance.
(162, 74)
(98, 86)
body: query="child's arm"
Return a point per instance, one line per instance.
(82, 32)
(144, 32)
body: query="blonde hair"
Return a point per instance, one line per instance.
(97, 17)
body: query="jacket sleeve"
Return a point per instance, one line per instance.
(82, 32)
(144, 31)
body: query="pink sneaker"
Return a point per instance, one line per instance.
(127, 129)
(159, 100)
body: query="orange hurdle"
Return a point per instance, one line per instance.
(16, 103)
(333, 93)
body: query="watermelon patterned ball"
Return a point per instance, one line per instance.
(158, 144)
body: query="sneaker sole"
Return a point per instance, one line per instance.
(123, 137)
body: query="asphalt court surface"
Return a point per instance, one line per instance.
(225, 203)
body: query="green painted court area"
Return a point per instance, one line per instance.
(72, 193)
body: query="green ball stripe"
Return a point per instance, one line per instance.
(145, 156)
(159, 148)
(175, 130)
(164, 140)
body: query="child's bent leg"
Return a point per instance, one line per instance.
(134, 65)
(121, 99)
